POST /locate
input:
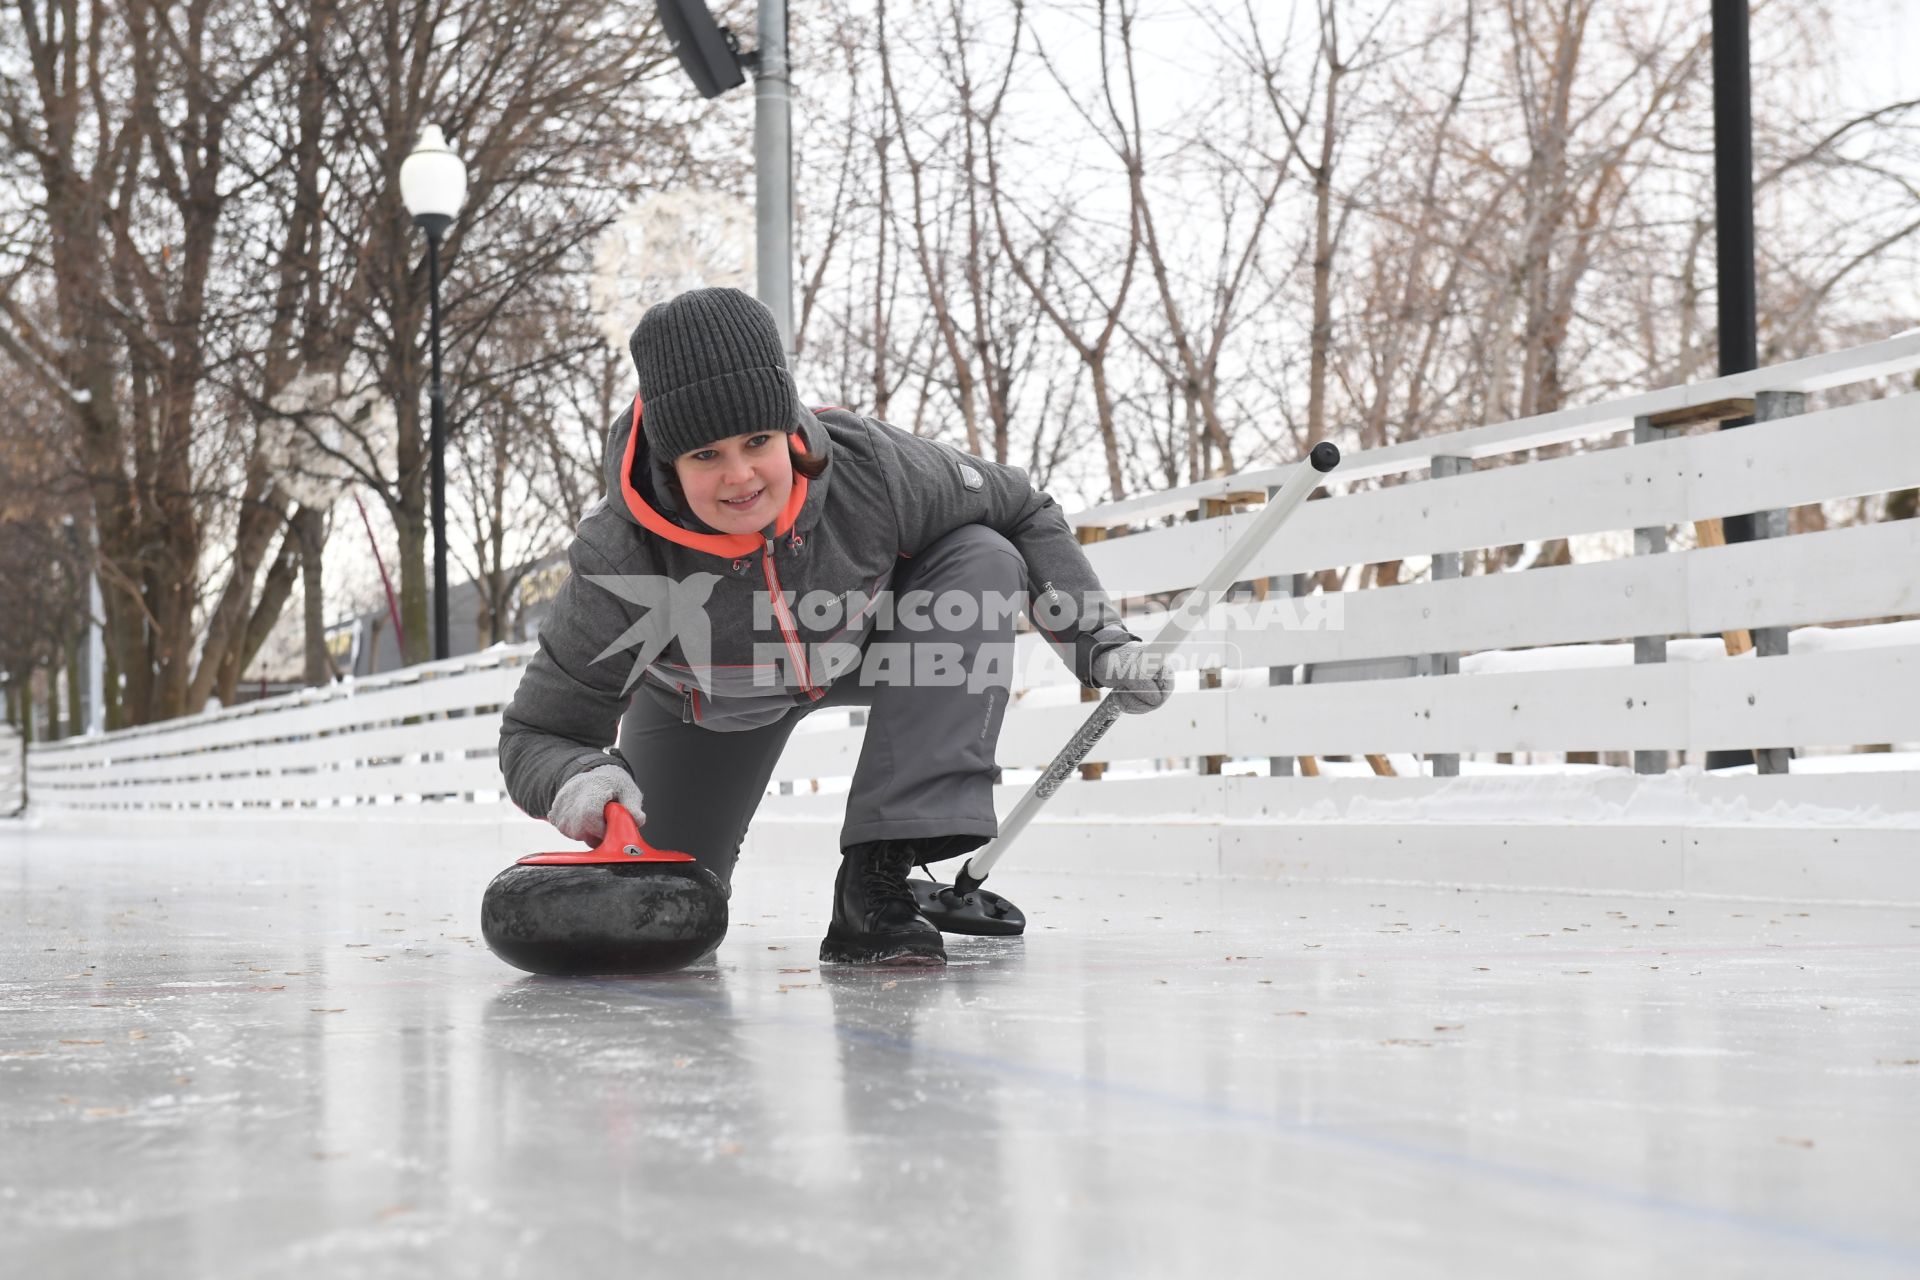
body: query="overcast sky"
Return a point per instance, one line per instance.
(1879, 51)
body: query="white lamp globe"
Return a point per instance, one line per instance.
(433, 180)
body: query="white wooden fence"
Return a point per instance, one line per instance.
(390, 748)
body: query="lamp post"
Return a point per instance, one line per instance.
(711, 57)
(773, 168)
(433, 184)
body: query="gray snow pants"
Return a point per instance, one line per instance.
(926, 768)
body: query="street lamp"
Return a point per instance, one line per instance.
(433, 184)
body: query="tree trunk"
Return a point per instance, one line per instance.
(1320, 340)
(882, 394)
(54, 733)
(76, 718)
(311, 527)
(111, 684)
(1109, 439)
(261, 515)
(273, 598)
(415, 584)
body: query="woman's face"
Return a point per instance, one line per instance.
(738, 485)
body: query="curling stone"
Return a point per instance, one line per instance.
(620, 907)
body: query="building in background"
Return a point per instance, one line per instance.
(365, 644)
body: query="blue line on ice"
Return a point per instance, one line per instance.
(1536, 1179)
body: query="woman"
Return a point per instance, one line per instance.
(738, 572)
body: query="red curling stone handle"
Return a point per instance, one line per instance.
(622, 843)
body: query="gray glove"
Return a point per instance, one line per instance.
(579, 807)
(1140, 681)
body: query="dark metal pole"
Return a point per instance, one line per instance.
(1733, 186)
(438, 445)
(1733, 232)
(773, 170)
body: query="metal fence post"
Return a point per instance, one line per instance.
(1290, 587)
(1771, 642)
(1212, 677)
(1446, 566)
(1087, 536)
(1650, 541)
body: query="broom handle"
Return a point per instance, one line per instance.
(1193, 609)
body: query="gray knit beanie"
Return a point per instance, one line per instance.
(710, 367)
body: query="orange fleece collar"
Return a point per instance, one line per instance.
(729, 545)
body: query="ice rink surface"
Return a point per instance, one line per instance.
(296, 1058)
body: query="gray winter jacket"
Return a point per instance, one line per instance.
(645, 590)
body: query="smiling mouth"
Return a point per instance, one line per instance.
(747, 501)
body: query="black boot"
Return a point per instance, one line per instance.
(875, 918)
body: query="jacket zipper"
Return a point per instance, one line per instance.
(689, 703)
(788, 629)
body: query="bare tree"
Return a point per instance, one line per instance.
(1091, 338)
(548, 101)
